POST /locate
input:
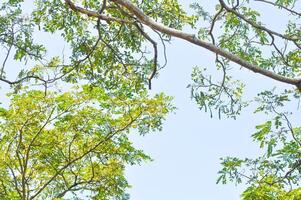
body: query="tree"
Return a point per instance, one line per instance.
(107, 40)
(63, 143)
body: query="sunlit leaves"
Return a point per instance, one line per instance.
(76, 140)
(263, 130)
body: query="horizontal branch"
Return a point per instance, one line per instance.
(146, 20)
(22, 79)
(94, 14)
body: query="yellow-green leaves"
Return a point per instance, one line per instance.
(63, 142)
(263, 130)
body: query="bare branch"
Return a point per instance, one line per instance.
(280, 6)
(154, 43)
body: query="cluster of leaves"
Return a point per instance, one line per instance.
(236, 27)
(225, 97)
(109, 45)
(275, 174)
(60, 145)
(101, 51)
(73, 142)
(16, 31)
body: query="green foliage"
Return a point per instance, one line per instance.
(73, 141)
(276, 173)
(239, 30)
(237, 27)
(225, 97)
(56, 143)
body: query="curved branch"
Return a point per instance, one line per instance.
(255, 25)
(192, 39)
(155, 47)
(94, 14)
(146, 20)
(22, 79)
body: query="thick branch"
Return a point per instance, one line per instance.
(191, 38)
(146, 20)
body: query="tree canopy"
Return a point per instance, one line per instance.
(65, 131)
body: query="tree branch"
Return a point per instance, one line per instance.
(280, 6)
(146, 20)
(108, 137)
(256, 25)
(192, 39)
(94, 14)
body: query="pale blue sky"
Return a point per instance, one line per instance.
(186, 153)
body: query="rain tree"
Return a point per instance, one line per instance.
(114, 57)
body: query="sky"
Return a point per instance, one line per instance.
(187, 152)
